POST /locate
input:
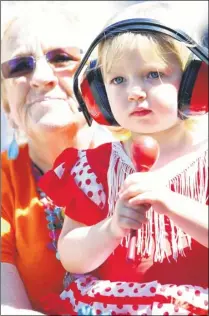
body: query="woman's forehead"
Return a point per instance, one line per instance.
(24, 36)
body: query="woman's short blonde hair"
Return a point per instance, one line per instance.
(163, 45)
(25, 11)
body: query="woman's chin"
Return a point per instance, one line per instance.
(50, 122)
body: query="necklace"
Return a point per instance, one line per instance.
(55, 218)
(54, 214)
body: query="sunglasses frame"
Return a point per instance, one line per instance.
(6, 68)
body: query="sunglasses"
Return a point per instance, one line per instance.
(59, 59)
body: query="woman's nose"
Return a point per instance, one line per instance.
(137, 94)
(43, 76)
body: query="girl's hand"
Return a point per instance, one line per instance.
(146, 188)
(126, 217)
(149, 189)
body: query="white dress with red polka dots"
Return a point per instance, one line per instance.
(132, 298)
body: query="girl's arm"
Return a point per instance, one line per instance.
(14, 300)
(84, 248)
(190, 215)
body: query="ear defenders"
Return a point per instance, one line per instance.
(193, 91)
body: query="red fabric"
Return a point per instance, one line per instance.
(191, 269)
(53, 305)
(130, 298)
(60, 191)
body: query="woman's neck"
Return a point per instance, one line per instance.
(43, 152)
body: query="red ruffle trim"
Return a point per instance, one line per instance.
(60, 189)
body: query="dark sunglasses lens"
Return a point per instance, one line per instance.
(58, 58)
(63, 57)
(18, 67)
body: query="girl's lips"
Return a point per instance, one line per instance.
(141, 112)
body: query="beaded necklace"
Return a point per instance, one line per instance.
(55, 218)
(54, 214)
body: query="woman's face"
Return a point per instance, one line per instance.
(42, 100)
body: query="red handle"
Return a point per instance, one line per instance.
(131, 253)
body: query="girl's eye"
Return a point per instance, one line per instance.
(154, 75)
(118, 80)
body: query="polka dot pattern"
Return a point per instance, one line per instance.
(116, 289)
(168, 309)
(95, 289)
(87, 181)
(102, 308)
(193, 295)
(59, 170)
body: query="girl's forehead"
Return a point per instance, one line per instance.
(24, 36)
(142, 48)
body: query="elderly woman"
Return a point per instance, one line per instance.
(40, 54)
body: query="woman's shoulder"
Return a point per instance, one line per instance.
(16, 176)
(8, 165)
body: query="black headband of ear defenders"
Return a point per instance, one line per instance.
(135, 26)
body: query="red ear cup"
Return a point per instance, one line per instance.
(95, 97)
(193, 92)
(192, 98)
(91, 104)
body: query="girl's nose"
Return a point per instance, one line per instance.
(137, 94)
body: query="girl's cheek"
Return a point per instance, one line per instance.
(165, 100)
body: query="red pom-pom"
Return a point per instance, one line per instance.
(144, 153)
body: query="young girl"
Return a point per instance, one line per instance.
(105, 197)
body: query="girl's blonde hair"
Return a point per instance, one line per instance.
(163, 45)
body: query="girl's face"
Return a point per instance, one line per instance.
(42, 100)
(143, 89)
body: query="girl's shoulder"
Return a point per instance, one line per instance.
(74, 171)
(192, 160)
(99, 154)
(72, 156)
(93, 161)
(198, 149)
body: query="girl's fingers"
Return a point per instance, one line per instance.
(130, 192)
(129, 223)
(144, 198)
(133, 218)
